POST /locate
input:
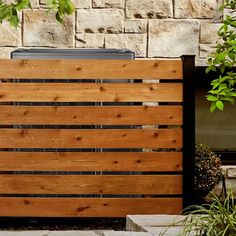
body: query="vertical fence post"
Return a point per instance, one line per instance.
(188, 129)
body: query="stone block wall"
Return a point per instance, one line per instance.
(151, 28)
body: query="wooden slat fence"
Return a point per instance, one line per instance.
(33, 184)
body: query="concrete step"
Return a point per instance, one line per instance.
(123, 233)
(137, 222)
(165, 231)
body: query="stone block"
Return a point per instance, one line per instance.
(150, 9)
(200, 9)
(209, 32)
(41, 29)
(135, 26)
(207, 50)
(108, 3)
(100, 21)
(134, 42)
(89, 40)
(5, 52)
(79, 4)
(82, 4)
(9, 36)
(231, 172)
(173, 38)
(229, 12)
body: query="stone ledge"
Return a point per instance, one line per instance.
(138, 222)
(122, 233)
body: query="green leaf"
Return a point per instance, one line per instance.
(14, 21)
(222, 69)
(211, 98)
(220, 105)
(210, 68)
(59, 19)
(22, 4)
(220, 57)
(70, 7)
(213, 106)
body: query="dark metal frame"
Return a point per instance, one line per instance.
(188, 129)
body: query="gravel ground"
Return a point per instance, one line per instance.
(63, 224)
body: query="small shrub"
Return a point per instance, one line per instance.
(208, 171)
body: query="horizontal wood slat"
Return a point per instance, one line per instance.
(90, 184)
(87, 207)
(82, 161)
(87, 69)
(80, 138)
(91, 92)
(106, 115)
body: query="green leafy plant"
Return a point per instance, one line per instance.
(223, 88)
(9, 11)
(215, 219)
(207, 167)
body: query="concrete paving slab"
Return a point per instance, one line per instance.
(165, 231)
(137, 222)
(101, 232)
(123, 233)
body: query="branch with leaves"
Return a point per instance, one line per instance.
(223, 88)
(9, 11)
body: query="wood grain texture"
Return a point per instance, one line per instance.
(91, 92)
(90, 184)
(78, 115)
(82, 138)
(82, 161)
(88, 207)
(90, 69)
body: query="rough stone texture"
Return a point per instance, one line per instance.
(100, 21)
(135, 26)
(79, 4)
(209, 32)
(108, 3)
(9, 36)
(206, 50)
(134, 42)
(94, 18)
(149, 9)
(34, 4)
(230, 184)
(5, 52)
(82, 3)
(231, 172)
(168, 38)
(197, 9)
(230, 176)
(229, 13)
(42, 30)
(90, 40)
